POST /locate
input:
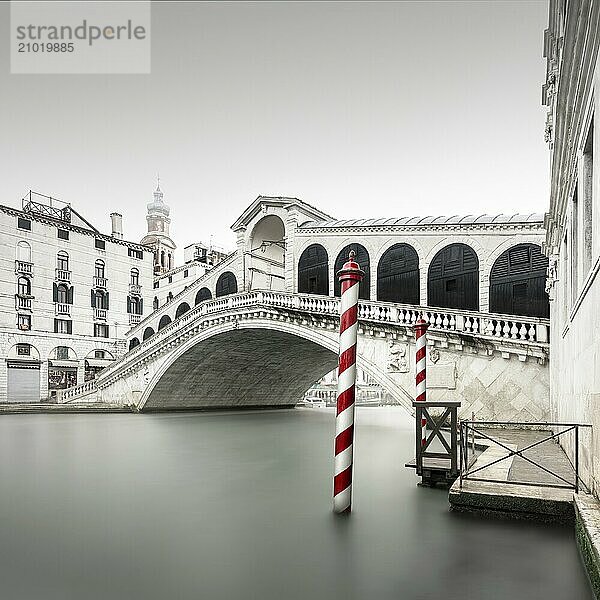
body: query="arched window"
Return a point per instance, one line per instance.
(226, 284)
(155, 303)
(518, 282)
(24, 286)
(133, 343)
(313, 271)
(398, 275)
(62, 261)
(362, 258)
(202, 295)
(453, 278)
(100, 299)
(182, 309)
(62, 293)
(164, 321)
(99, 269)
(148, 332)
(23, 251)
(134, 278)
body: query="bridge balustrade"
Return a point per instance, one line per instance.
(483, 325)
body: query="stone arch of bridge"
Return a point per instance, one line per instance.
(259, 363)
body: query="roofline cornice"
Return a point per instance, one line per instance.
(64, 225)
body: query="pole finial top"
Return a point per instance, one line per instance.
(352, 255)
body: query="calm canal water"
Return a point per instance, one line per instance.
(237, 505)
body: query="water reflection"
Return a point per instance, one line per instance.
(237, 505)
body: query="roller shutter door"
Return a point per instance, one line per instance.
(23, 382)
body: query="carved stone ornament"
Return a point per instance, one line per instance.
(397, 360)
(434, 355)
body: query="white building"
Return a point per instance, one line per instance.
(572, 93)
(68, 294)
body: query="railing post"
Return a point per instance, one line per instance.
(453, 440)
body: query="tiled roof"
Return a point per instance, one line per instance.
(421, 221)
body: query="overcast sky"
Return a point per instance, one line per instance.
(362, 109)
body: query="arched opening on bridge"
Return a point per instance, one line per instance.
(278, 369)
(133, 342)
(202, 294)
(313, 271)
(226, 284)
(362, 258)
(164, 321)
(148, 332)
(518, 282)
(398, 275)
(266, 260)
(453, 278)
(182, 309)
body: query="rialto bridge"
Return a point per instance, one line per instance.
(261, 327)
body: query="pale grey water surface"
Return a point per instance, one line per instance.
(237, 505)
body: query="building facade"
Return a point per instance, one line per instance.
(68, 294)
(571, 93)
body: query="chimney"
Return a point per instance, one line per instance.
(117, 225)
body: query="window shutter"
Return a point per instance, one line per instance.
(70, 326)
(141, 306)
(105, 301)
(128, 304)
(54, 294)
(70, 295)
(93, 294)
(55, 322)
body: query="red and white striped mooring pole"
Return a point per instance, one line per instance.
(350, 276)
(421, 360)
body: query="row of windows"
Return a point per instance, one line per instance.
(65, 326)
(62, 263)
(577, 252)
(517, 278)
(61, 352)
(24, 251)
(63, 294)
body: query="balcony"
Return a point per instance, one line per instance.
(100, 314)
(24, 268)
(100, 282)
(62, 275)
(134, 319)
(23, 302)
(135, 289)
(62, 309)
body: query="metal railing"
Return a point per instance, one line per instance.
(469, 465)
(23, 302)
(100, 314)
(62, 308)
(63, 275)
(135, 289)
(100, 282)
(23, 267)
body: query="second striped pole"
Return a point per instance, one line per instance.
(421, 370)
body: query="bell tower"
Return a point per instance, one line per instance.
(158, 237)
